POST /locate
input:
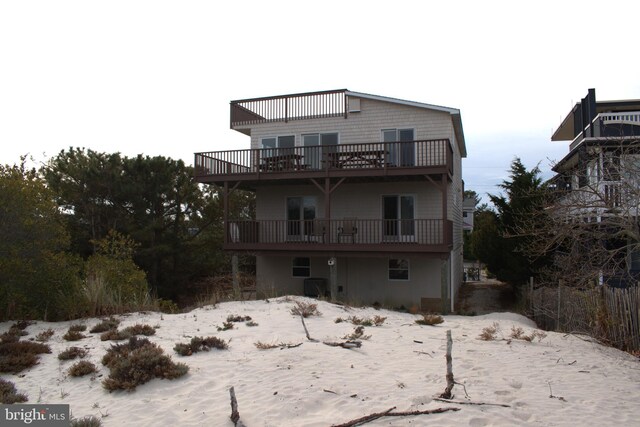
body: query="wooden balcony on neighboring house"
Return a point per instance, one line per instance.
(343, 160)
(340, 235)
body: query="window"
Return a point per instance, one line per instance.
(301, 267)
(315, 147)
(278, 145)
(403, 153)
(398, 269)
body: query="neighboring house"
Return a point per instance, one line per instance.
(599, 179)
(356, 192)
(468, 209)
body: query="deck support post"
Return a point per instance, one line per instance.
(333, 278)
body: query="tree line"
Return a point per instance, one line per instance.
(88, 220)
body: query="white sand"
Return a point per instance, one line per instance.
(600, 386)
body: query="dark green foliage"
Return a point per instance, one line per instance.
(114, 283)
(18, 356)
(138, 362)
(39, 279)
(82, 368)
(200, 344)
(128, 332)
(105, 325)
(73, 335)
(89, 421)
(154, 200)
(498, 239)
(9, 394)
(72, 353)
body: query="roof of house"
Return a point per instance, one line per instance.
(565, 131)
(455, 113)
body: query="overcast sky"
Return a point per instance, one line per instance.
(156, 77)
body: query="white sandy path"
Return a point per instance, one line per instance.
(600, 385)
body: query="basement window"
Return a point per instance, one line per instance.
(301, 267)
(398, 269)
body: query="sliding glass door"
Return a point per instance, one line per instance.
(402, 153)
(301, 211)
(398, 215)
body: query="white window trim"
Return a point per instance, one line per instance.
(397, 269)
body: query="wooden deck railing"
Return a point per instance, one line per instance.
(374, 155)
(348, 231)
(332, 103)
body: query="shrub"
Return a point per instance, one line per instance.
(128, 332)
(225, 326)
(9, 394)
(124, 349)
(73, 335)
(72, 353)
(305, 309)
(114, 283)
(78, 327)
(89, 421)
(138, 362)
(82, 368)
(251, 323)
(105, 325)
(518, 334)
(378, 320)
(20, 355)
(200, 344)
(44, 336)
(167, 306)
(357, 334)
(430, 319)
(236, 318)
(16, 363)
(8, 337)
(489, 333)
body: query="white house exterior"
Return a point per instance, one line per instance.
(357, 194)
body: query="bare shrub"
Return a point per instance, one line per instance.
(44, 336)
(378, 320)
(198, 344)
(89, 421)
(490, 332)
(225, 326)
(138, 362)
(430, 319)
(72, 353)
(82, 368)
(305, 309)
(128, 332)
(105, 325)
(517, 333)
(251, 323)
(236, 318)
(357, 334)
(73, 335)
(78, 327)
(9, 394)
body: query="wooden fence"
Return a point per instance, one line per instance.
(611, 315)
